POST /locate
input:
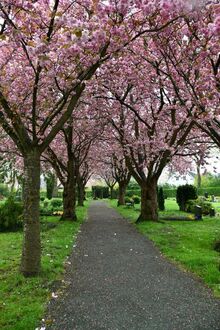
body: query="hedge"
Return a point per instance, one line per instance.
(201, 191)
(133, 192)
(171, 193)
(210, 190)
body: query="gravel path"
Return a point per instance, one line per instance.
(117, 279)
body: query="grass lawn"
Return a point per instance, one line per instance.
(23, 300)
(187, 243)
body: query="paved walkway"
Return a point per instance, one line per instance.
(118, 280)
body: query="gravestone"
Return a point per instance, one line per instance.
(198, 212)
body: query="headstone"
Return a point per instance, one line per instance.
(213, 198)
(212, 212)
(198, 212)
(206, 195)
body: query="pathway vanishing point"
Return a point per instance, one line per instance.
(118, 280)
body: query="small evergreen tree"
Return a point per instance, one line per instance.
(161, 199)
(50, 183)
(184, 193)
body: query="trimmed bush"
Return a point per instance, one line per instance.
(161, 201)
(136, 199)
(11, 215)
(131, 193)
(48, 207)
(183, 194)
(56, 202)
(169, 193)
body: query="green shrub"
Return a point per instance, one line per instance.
(161, 204)
(183, 194)
(136, 199)
(48, 207)
(129, 200)
(56, 202)
(210, 190)
(50, 184)
(169, 193)
(131, 193)
(4, 191)
(11, 215)
(206, 206)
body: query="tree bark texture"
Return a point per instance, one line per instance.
(111, 192)
(69, 194)
(31, 251)
(55, 188)
(198, 176)
(149, 205)
(121, 193)
(81, 194)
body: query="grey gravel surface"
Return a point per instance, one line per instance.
(117, 279)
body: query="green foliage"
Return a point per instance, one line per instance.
(133, 185)
(184, 193)
(206, 206)
(4, 191)
(100, 192)
(129, 200)
(56, 202)
(50, 183)
(135, 192)
(209, 180)
(210, 190)
(136, 199)
(48, 207)
(161, 199)
(10, 215)
(169, 193)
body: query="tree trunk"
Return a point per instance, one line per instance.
(149, 206)
(31, 252)
(69, 194)
(111, 192)
(199, 176)
(81, 194)
(55, 188)
(121, 193)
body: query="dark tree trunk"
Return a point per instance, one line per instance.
(121, 193)
(149, 205)
(55, 188)
(69, 194)
(81, 194)
(111, 192)
(31, 252)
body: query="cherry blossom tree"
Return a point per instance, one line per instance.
(151, 124)
(55, 47)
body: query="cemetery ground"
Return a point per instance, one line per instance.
(189, 244)
(23, 300)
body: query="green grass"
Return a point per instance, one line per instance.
(23, 300)
(188, 243)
